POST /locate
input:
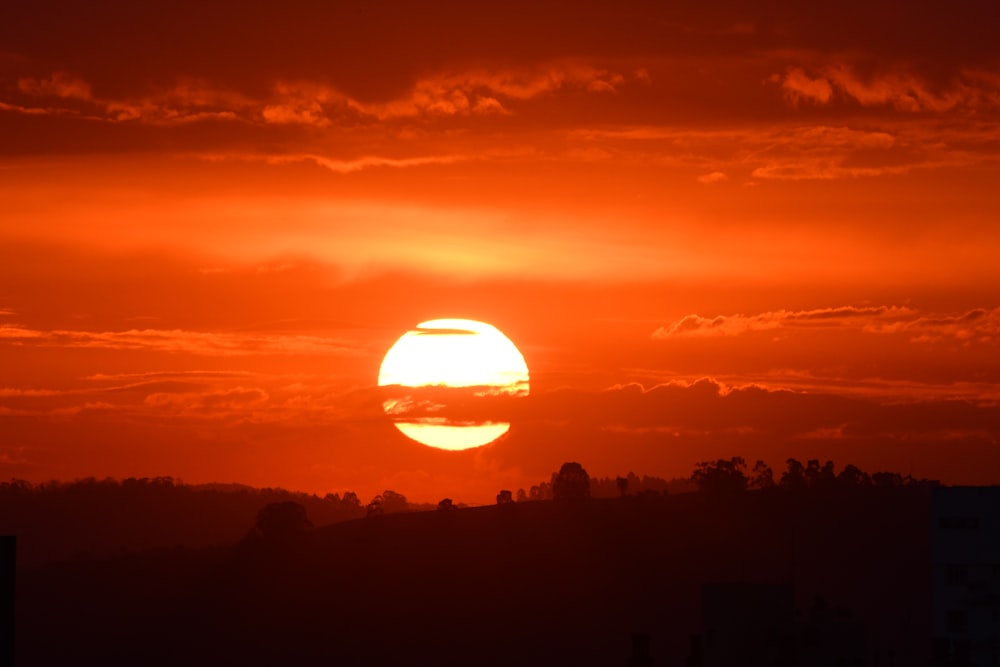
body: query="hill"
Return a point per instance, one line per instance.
(534, 583)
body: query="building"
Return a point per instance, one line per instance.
(965, 567)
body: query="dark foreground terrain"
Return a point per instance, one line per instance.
(534, 583)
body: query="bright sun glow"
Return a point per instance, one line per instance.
(452, 353)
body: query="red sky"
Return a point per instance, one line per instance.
(766, 231)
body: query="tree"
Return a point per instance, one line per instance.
(887, 480)
(394, 502)
(819, 477)
(505, 497)
(622, 483)
(571, 482)
(521, 496)
(541, 491)
(763, 476)
(794, 477)
(350, 500)
(721, 476)
(446, 505)
(282, 521)
(853, 477)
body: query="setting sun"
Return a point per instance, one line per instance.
(471, 356)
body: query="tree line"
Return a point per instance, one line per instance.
(730, 475)
(734, 475)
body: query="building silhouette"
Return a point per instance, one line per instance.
(965, 569)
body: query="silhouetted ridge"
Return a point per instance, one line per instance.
(531, 583)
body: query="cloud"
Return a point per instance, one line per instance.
(979, 325)
(59, 84)
(11, 456)
(712, 177)
(365, 162)
(177, 341)
(799, 86)
(471, 92)
(735, 325)
(482, 91)
(795, 152)
(898, 88)
(237, 399)
(184, 102)
(709, 408)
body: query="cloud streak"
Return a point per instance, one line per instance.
(177, 341)
(864, 317)
(979, 325)
(472, 92)
(970, 90)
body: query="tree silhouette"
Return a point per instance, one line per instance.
(446, 505)
(820, 477)
(350, 499)
(853, 477)
(763, 476)
(721, 476)
(622, 483)
(571, 482)
(794, 477)
(541, 491)
(887, 480)
(505, 497)
(282, 521)
(392, 502)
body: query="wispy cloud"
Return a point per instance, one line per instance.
(186, 101)
(365, 162)
(178, 341)
(471, 92)
(978, 325)
(215, 402)
(896, 87)
(712, 177)
(795, 152)
(59, 84)
(863, 317)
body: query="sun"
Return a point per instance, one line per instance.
(450, 360)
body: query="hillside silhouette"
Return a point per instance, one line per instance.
(519, 583)
(92, 518)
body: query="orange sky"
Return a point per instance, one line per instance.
(758, 231)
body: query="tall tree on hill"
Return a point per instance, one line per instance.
(388, 502)
(446, 505)
(571, 482)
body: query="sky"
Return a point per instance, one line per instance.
(712, 230)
